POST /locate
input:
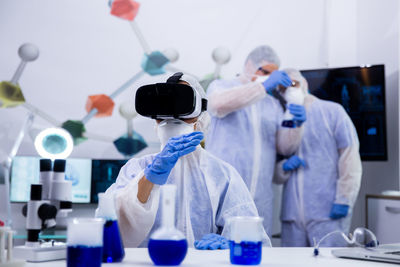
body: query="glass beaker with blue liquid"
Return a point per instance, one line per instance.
(167, 245)
(85, 242)
(246, 240)
(113, 248)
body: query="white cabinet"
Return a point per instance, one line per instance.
(383, 217)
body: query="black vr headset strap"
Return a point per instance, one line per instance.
(203, 104)
(175, 78)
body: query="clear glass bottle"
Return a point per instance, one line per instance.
(167, 245)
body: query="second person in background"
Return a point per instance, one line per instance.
(245, 126)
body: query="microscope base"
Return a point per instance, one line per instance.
(44, 252)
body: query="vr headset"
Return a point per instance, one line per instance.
(170, 100)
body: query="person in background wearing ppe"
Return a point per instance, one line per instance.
(209, 191)
(322, 179)
(245, 126)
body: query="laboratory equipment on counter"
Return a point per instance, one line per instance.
(113, 248)
(40, 214)
(361, 237)
(61, 191)
(167, 245)
(85, 242)
(246, 237)
(45, 177)
(6, 258)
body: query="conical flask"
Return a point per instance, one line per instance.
(167, 245)
(113, 248)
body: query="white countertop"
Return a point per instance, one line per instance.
(211, 258)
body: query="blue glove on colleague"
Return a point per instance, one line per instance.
(211, 242)
(276, 78)
(293, 163)
(339, 211)
(299, 113)
(158, 171)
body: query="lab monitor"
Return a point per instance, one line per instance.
(361, 92)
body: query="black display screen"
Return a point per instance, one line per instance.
(104, 174)
(361, 91)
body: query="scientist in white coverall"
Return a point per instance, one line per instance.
(246, 129)
(322, 179)
(209, 190)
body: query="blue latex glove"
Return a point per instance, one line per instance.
(276, 78)
(339, 211)
(212, 242)
(158, 171)
(299, 113)
(293, 163)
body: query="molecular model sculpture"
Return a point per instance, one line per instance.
(153, 63)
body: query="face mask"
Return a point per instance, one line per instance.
(261, 79)
(172, 128)
(294, 95)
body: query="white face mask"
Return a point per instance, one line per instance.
(172, 128)
(294, 95)
(261, 79)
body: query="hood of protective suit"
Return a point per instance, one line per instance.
(260, 56)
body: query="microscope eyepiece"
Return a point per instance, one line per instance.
(36, 192)
(59, 165)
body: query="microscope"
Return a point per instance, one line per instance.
(51, 199)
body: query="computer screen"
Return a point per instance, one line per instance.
(361, 91)
(25, 171)
(88, 176)
(104, 174)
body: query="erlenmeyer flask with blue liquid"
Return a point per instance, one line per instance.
(167, 245)
(113, 248)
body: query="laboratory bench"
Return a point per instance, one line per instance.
(214, 258)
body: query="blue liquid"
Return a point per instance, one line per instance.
(245, 253)
(84, 256)
(113, 248)
(167, 252)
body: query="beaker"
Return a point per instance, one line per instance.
(167, 245)
(246, 236)
(113, 248)
(85, 242)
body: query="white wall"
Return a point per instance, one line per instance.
(85, 50)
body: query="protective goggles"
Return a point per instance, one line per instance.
(169, 100)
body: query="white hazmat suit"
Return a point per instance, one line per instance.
(332, 173)
(246, 130)
(209, 191)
